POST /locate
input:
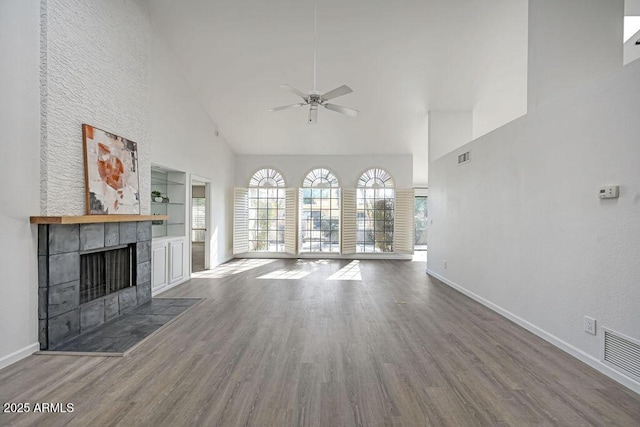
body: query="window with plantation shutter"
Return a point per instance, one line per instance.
(405, 215)
(348, 218)
(240, 221)
(290, 228)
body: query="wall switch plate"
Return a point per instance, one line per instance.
(589, 325)
(609, 192)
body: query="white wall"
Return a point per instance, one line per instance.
(501, 86)
(20, 195)
(448, 130)
(183, 137)
(632, 7)
(521, 226)
(97, 72)
(631, 49)
(348, 169)
(571, 42)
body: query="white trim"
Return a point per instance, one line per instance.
(421, 191)
(18, 355)
(561, 344)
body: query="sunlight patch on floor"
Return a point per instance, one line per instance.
(350, 271)
(286, 274)
(231, 268)
(419, 256)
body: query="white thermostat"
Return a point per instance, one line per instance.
(609, 192)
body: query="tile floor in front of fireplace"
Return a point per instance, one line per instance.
(122, 334)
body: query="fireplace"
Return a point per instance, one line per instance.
(89, 274)
(104, 272)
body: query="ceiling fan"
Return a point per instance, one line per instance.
(315, 99)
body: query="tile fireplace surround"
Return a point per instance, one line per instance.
(60, 314)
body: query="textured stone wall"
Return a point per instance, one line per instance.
(95, 69)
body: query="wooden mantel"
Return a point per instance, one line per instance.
(89, 219)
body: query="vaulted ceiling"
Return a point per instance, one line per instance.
(401, 58)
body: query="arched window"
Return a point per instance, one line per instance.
(320, 212)
(375, 211)
(266, 204)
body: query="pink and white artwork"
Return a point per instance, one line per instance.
(111, 173)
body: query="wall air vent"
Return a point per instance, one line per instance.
(464, 158)
(621, 353)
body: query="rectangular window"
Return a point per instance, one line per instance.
(198, 215)
(420, 224)
(266, 219)
(375, 219)
(320, 220)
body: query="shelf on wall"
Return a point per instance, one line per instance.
(160, 181)
(171, 184)
(167, 204)
(90, 219)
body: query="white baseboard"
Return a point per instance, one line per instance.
(223, 260)
(171, 286)
(14, 357)
(561, 344)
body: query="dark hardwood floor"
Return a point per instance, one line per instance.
(396, 348)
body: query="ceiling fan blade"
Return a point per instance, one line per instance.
(292, 89)
(339, 91)
(340, 109)
(313, 116)
(286, 107)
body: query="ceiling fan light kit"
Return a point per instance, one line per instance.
(314, 98)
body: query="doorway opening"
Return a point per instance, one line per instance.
(421, 219)
(199, 221)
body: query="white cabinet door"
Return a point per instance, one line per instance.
(176, 260)
(159, 262)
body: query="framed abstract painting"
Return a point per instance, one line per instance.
(111, 173)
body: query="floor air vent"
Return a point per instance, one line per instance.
(622, 353)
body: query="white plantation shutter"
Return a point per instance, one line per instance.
(404, 217)
(241, 221)
(299, 225)
(348, 221)
(291, 222)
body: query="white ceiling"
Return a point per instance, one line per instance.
(401, 58)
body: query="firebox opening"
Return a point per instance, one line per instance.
(106, 271)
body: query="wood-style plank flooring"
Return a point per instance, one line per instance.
(396, 348)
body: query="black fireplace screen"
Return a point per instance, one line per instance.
(105, 272)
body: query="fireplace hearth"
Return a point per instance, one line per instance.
(89, 274)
